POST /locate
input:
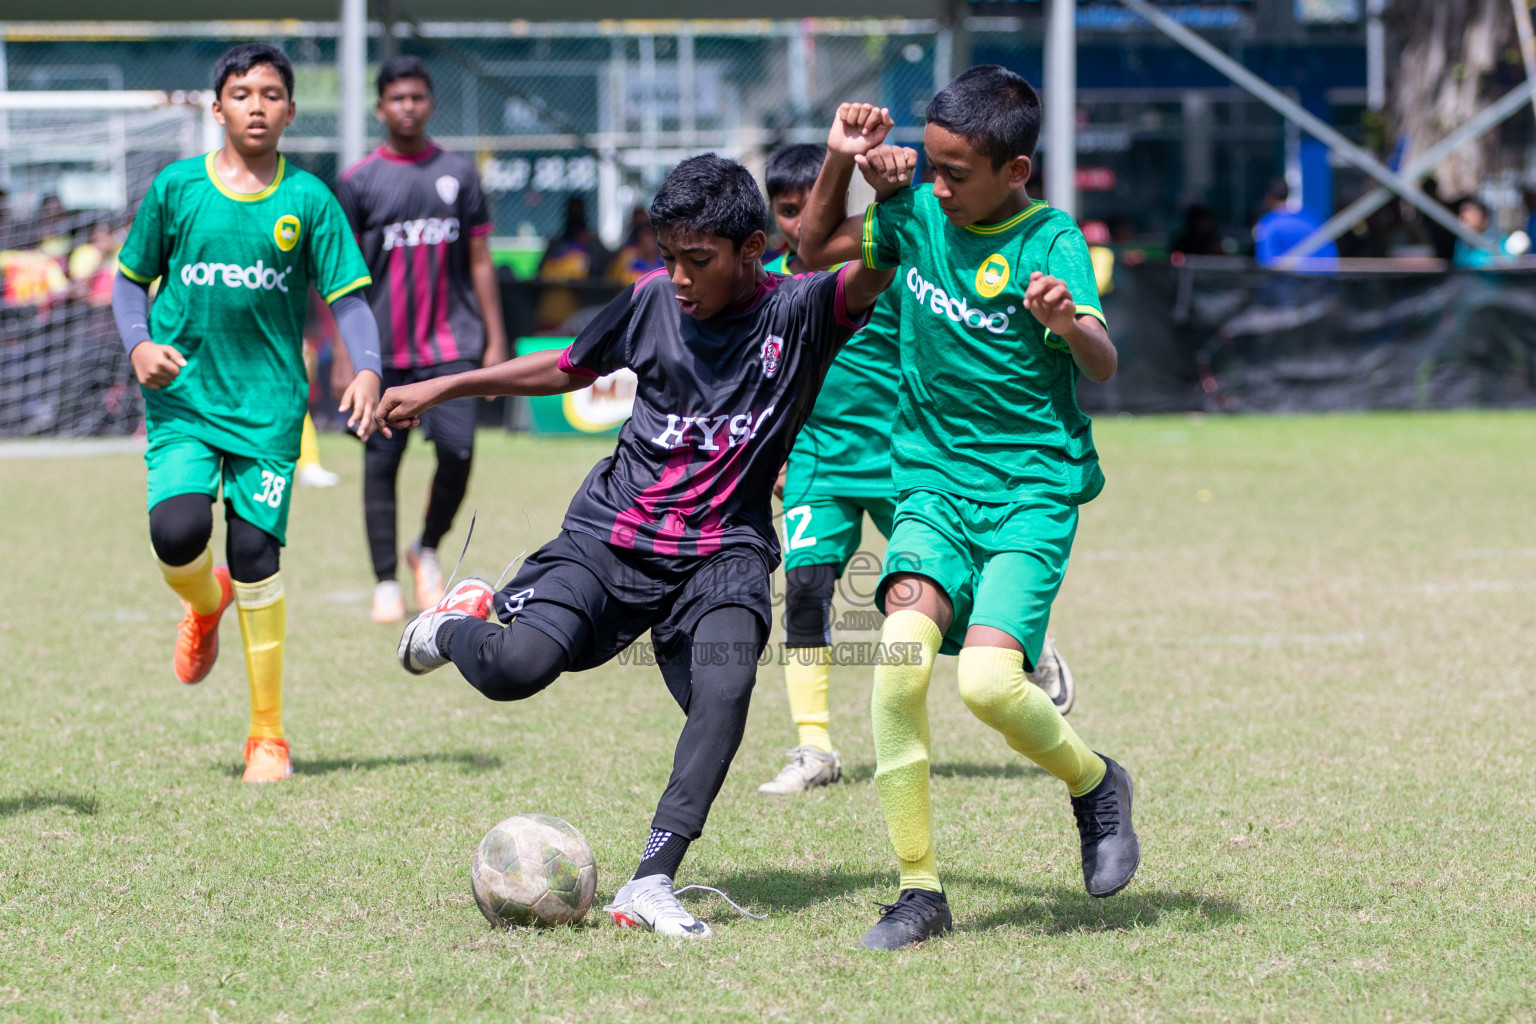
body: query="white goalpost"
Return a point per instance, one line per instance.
(74, 166)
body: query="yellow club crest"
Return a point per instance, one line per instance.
(286, 232)
(992, 278)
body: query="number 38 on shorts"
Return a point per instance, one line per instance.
(257, 488)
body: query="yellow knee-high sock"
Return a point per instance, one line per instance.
(994, 687)
(806, 672)
(900, 708)
(309, 444)
(264, 628)
(194, 583)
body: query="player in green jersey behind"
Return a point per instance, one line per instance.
(236, 239)
(840, 469)
(991, 455)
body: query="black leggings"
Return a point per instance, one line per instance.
(180, 528)
(710, 675)
(808, 605)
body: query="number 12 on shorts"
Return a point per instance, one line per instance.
(272, 487)
(796, 521)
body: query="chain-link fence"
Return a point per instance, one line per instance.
(596, 110)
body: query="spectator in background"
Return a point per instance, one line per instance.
(1474, 216)
(1281, 228)
(1201, 235)
(1440, 236)
(639, 254)
(576, 255)
(53, 228)
(92, 265)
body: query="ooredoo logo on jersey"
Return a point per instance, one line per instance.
(231, 275)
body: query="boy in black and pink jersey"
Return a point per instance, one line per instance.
(420, 216)
(674, 532)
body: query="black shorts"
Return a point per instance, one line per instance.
(451, 424)
(596, 599)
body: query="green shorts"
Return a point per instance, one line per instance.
(827, 531)
(257, 489)
(1000, 565)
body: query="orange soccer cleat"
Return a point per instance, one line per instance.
(266, 760)
(197, 638)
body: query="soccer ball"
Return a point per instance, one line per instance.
(533, 869)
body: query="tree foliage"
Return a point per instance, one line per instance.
(1449, 51)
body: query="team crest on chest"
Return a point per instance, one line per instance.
(286, 232)
(773, 351)
(992, 278)
(448, 188)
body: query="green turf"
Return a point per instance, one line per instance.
(1320, 676)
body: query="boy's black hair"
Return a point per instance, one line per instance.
(993, 109)
(710, 195)
(237, 60)
(793, 169)
(396, 68)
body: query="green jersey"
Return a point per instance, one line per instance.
(987, 407)
(235, 272)
(844, 449)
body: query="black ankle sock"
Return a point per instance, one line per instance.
(443, 633)
(663, 854)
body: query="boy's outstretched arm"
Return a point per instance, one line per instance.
(1050, 300)
(537, 373)
(826, 235)
(862, 286)
(360, 336)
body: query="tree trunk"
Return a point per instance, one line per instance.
(1450, 48)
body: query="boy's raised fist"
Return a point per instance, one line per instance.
(858, 128)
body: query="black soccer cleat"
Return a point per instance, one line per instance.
(916, 915)
(1111, 851)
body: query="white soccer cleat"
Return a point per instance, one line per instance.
(315, 475)
(388, 602)
(1054, 677)
(427, 572)
(808, 768)
(418, 651)
(649, 902)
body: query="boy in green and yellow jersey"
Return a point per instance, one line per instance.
(991, 455)
(840, 469)
(236, 239)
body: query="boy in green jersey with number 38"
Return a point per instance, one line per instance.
(236, 239)
(991, 455)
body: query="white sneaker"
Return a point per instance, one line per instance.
(313, 474)
(418, 651)
(649, 902)
(388, 602)
(428, 573)
(1054, 677)
(808, 767)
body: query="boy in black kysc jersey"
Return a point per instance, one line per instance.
(674, 532)
(420, 215)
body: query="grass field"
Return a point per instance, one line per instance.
(1309, 639)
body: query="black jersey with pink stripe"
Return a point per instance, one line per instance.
(413, 217)
(718, 403)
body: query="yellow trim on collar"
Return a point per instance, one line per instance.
(245, 197)
(1011, 222)
(348, 289)
(133, 275)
